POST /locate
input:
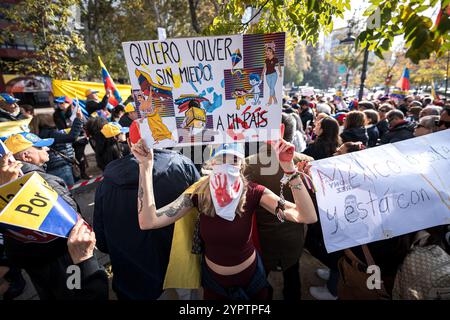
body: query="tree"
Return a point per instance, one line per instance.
(314, 74)
(303, 19)
(56, 44)
(390, 18)
(296, 62)
(111, 22)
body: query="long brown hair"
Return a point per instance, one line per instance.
(203, 192)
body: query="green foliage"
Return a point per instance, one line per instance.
(56, 44)
(407, 18)
(303, 19)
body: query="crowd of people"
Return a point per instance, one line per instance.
(247, 226)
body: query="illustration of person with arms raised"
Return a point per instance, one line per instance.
(270, 64)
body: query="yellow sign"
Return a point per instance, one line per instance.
(29, 202)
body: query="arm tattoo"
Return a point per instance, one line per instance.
(171, 210)
(140, 199)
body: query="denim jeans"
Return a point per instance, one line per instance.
(64, 173)
(271, 82)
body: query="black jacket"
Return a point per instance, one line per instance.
(139, 258)
(92, 105)
(383, 127)
(306, 115)
(374, 135)
(5, 116)
(317, 151)
(46, 258)
(355, 135)
(62, 119)
(125, 120)
(402, 131)
(63, 143)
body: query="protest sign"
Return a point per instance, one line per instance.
(383, 192)
(12, 127)
(29, 202)
(192, 91)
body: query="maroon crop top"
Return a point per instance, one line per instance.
(229, 243)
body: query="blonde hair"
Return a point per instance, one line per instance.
(203, 192)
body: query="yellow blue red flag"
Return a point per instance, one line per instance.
(29, 202)
(115, 98)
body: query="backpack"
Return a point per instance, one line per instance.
(424, 274)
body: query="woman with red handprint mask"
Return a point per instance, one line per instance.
(226, 200)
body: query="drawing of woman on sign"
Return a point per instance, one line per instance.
(271, 74)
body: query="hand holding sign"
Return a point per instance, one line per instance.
(142, 153)
(81, 242)
(9, 169)
(285, 154)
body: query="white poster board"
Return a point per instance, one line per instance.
(235, 82)
(383, 192)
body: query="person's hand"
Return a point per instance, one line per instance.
(4, 285)
(79, 114)
(285, 154)
(81, 242)
(146, 105)
(9, 169)
(142, 153)
(305, 167)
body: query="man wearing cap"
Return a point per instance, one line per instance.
(9, 109)
(46, 257)
(92, 101)
(129, 116)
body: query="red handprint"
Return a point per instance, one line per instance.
(219, 184)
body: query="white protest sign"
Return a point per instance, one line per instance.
(207, 90)
(383, 192)
(307, 92)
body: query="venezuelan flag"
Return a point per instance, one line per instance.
(12, 127)
(147, 86)
(115, 98)
(403, 83)
(30, 203)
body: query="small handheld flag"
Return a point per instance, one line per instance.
(115, 98)
(30, 203)
(403, 83)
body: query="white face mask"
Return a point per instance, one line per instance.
(226, 188)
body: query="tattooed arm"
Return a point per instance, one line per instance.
(149, 217)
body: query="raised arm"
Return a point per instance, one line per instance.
(302, 211)
(149, 217)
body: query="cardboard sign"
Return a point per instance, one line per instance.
(384, 192)
(29, 202)
(192, 91)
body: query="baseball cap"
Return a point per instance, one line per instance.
(130, 107)
(90, 91)
(24, 140)
(9, 99)
(63, 99)
(236, 149)
(113, 129)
